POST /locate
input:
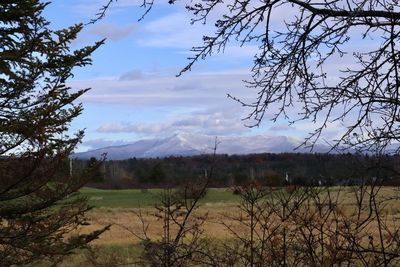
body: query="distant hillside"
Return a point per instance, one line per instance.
(185, 144)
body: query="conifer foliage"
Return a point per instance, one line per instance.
(38, 209)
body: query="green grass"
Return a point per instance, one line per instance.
(135, 198)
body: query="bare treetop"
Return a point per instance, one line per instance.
(298, 42)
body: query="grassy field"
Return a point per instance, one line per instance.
(120, 209)
(136, 198)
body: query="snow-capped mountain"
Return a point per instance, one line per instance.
(185, 144)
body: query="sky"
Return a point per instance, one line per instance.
(135, 92)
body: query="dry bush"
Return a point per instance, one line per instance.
(182, 229)
(297, 226)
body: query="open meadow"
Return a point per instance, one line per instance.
(121, 210)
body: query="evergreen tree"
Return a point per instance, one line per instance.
(98, 173)
(37, 212)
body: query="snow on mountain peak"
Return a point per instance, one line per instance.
(188, 144)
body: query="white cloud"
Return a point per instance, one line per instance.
(132, 75)
(223, 122)
(201, 90)
(204, 91)
(173, 31)
(91, 7)
(100, 143)
(112, 31)
(281, 128)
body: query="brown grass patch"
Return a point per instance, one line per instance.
(126, 221)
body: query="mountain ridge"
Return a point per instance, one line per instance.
(185, 144)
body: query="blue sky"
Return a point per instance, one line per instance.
(135, 92)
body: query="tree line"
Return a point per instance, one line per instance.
(302, 169)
